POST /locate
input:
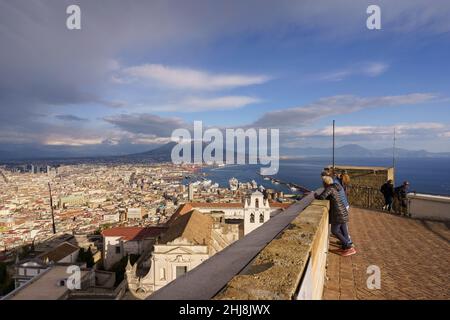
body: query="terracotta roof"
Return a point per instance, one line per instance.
(193, 226)
(183, 209)
(133, 233)
(283, 205)
(232, 205)
(217, 205)
(59, 253)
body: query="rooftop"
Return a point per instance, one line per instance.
(133, 233)
(217, 205)
(60, 252)
(413, 257)
(46, 286)
(193, 226)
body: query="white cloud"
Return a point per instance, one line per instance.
(186, 78)
(335, 105)
(70, 141)
(200, 104)
(371, 69)
(402, 129)
(374, 69)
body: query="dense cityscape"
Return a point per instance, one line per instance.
(46, 207)
(220, 153)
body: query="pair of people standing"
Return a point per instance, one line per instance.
(400, 193)
(339, 209)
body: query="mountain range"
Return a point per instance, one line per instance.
(163, 153)
(357, 151)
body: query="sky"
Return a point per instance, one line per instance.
(137, 70)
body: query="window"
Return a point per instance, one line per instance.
(261, 218)
(117, 249)
(162, 274)
(180, 270)
(252, 218)
(257, 203)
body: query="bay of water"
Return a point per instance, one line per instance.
(425, 175)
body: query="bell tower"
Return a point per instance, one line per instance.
(256, 211)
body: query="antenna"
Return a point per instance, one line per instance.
(393, 153)
(333, 142)
(51, 208)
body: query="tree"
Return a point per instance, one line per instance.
(120, 266)
(6, 282)
(86, 257)
(3, 273)
(89, 258)
(25, 251)
(81, 255)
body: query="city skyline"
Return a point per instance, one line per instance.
(137, 71)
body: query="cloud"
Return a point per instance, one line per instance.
(335, 105)
(372, 69)
(402, 129)
(71, 141)
(413, 135)
(69, 117)
(202, 104)
(186, 78)
(44, 66)
(148, 124)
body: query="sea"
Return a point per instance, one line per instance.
(425, 175)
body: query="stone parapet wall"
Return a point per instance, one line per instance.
(278, 271)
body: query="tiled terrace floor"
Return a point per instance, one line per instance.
(413, 256)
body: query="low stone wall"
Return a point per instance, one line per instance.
(279, 270)
(425, 206)
(365, 197)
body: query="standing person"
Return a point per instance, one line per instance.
(387, 190)
(338, 215)
(330, 173)
(401, 193)
(345, 180)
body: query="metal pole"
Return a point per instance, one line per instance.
(393, 157)
(333, 143)
(393, 152)
(51, 208)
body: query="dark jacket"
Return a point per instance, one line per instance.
(401, 192)
(387, 190)
(338, 211)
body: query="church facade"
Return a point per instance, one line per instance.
(196, 232)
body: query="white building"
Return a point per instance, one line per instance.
(135, 213)
(25, 270)
(254, 211)
(122, 241)
(187, 243)
(197, 231)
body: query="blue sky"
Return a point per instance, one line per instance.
(139, 70)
